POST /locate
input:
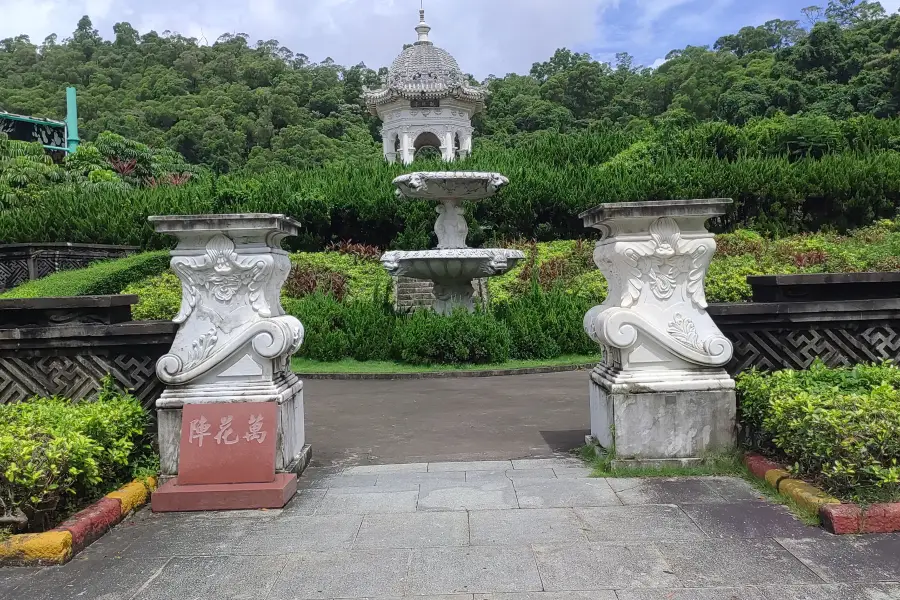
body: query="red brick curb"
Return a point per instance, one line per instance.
(91, 523)
(838, 518)
(58, 545)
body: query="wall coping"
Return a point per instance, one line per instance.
(56, 302)
(67, 245)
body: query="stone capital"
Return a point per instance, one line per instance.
(233, 328)
(653, 326)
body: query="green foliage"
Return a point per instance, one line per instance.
(835, 425)
(362, 329)
(425, 338)
(105, 277)
(160, 297)
(57, 455)
(545, 324)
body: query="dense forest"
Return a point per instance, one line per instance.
(235, 104)
(797, 121)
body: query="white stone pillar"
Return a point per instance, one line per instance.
(661, 391)
(406, 148)
(235, 343)
(448, 150)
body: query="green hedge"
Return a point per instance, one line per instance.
(786, 176)
(538, 325)
(106, 277)
(836, 426)
(59, 455)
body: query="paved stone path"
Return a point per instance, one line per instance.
(493, 530)
(428, 420)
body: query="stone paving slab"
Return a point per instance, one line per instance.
(12, 577)
(572, 472)
(539, 526)
(380, 469)
(598, 595)
(342, 501)
(510, 475)
(719, 563)
(483, 465)
(665, 491)
(231, 577)
(564, 493)
(634, 523)
(546, 463)
(832, 592)
(298, 534)
(353, 574)
(581, 567)
(492, 495)
(749, 519)
(848, 559)
(119, 579)
(418, 530)
(396, 480)
(729, 593)
(485, 569)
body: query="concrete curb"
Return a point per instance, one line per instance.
(59, 545)
(836, 517)
(446, 374)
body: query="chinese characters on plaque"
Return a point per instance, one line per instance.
(200, 429)
(227, 443)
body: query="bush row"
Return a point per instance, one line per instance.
(836, 426)
(553, 177)
(56, 456)
(538, 325)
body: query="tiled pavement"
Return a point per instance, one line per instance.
(495, 530)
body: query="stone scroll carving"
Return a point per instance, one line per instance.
(231, 269)
(229, 303)
(653, 325)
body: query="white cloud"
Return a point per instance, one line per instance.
(658, 63)
(497, 37)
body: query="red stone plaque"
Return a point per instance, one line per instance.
(227, 443)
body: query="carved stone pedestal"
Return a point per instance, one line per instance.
(235, 342)
(661, 391)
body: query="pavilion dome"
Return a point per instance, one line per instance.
(424, 71)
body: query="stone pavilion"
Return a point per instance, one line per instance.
(426, 103)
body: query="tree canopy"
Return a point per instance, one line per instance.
(236, 105)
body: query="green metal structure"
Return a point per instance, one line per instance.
(55, 136)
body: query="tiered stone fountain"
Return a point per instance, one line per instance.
(453, 265)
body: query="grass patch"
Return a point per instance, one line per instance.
(350, 366)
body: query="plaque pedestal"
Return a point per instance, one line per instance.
(232, 411)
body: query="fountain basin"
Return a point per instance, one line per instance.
(451, 186)
(452, 271)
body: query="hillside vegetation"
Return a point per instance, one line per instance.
(794, 120)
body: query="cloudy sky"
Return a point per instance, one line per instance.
(486, 36)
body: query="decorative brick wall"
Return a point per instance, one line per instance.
(66, 346)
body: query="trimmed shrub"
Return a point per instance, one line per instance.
(160, 297)
(836, 426)
(56, 455)
(425, 338)
(101, 278)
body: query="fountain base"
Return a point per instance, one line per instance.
(452, 271)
